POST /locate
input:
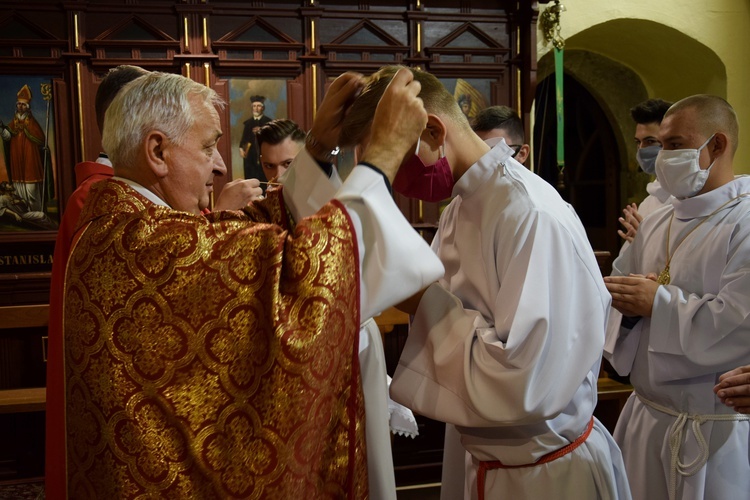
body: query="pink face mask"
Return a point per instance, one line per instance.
(424, 182)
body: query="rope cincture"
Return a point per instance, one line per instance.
(677, 432)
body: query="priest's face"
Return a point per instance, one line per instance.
(194, 164)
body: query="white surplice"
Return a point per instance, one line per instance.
(699, 329)
(657, 198)
(395, 263)
(507, 346)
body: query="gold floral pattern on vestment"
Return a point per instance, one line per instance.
(212, 356)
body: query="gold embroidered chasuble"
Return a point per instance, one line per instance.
(212, 357)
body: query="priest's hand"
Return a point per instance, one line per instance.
(324, 134)
(733, 389)
(399, 120)
(238, 194)
(630, 221)
(632, 295)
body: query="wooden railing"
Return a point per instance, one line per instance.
(26, 316)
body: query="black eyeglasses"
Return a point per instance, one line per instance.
(516, 147)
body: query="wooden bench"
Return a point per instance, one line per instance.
(23, 400)
(26, 316)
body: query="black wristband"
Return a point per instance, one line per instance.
(326, 167)
(385, 178)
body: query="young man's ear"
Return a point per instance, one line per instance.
(156, 153)
(434, 133)
(523, 153)
(719, 146)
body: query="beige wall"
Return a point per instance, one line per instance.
(677, 47)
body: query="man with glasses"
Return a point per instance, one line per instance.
(501, 122)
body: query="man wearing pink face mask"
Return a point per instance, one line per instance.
(506, 347)
(681, 316)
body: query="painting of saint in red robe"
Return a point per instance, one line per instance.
(26, 138)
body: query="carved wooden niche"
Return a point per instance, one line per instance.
(131, 39)
(263, 43)
(365, 46)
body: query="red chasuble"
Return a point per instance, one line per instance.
(212, 357)
(87, 173)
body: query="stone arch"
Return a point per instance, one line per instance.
(671, 64)
(625, 61)
(622, 62)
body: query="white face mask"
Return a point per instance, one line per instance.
(646, 158)
(679, 171)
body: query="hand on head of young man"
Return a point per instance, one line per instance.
(399, 119)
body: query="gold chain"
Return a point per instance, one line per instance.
(664, 277)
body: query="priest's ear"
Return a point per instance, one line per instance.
(156, 153)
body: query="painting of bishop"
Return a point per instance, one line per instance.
(27, 188)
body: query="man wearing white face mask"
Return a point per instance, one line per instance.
(681, 315)
(647, 116)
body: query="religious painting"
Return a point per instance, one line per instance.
(252, 103)
(28, 166)
(471, 94)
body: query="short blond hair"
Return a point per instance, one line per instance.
(434, 95)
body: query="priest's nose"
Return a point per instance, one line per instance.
(220, 167)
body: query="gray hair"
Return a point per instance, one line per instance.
(155, 101)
